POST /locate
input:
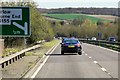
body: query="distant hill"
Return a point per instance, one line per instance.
(92, 11)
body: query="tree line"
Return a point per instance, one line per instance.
(85, 28)
(92, 10)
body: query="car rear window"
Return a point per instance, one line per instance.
(71, 41)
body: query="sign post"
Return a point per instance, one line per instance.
(1, 53)
(15, 21)
(1, 47)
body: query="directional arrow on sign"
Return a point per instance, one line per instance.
(24, 28)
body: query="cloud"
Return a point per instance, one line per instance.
(76, 0)
(76, 3)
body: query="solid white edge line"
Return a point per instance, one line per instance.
(102, 48)
(86, 54)
(108, 49)
(40, 67)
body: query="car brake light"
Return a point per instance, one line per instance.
(78, 45)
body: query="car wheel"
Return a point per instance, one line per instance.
(80, 53)
(62, 52)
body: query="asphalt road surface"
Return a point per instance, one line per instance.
(95, 62)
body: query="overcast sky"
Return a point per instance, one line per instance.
(76, 3)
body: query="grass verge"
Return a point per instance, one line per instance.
(43, 49)
(39, 53)
(25, 64)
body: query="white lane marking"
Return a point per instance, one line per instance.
(102, 48)
(108, 49)
(86, 54)
(95, 62)
(103, 69)
(42, 64)
(90, 57)
(83, 51)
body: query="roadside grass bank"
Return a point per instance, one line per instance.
(43, 49)
(10, 51)
(22, 66)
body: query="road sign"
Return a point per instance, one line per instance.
(15, 21)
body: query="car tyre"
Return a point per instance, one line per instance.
(80, 53)
(62, 52)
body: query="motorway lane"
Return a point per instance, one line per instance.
(72, 66)
(106, 58)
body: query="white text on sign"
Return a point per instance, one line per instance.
(7, 15)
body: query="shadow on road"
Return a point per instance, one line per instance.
(61, 54)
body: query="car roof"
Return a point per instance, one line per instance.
(111, 37)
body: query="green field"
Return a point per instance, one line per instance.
(74, 16)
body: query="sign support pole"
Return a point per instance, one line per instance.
(25, 42)
(1, 53)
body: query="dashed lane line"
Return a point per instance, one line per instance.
(90, 57)
(95, 62)
(83, 52)
(101, 67)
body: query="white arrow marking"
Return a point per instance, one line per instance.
(24, 28)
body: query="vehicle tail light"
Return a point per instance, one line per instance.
(78, 45)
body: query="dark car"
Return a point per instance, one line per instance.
(71, 45)
(112, 39)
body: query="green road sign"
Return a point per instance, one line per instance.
(15, 21)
